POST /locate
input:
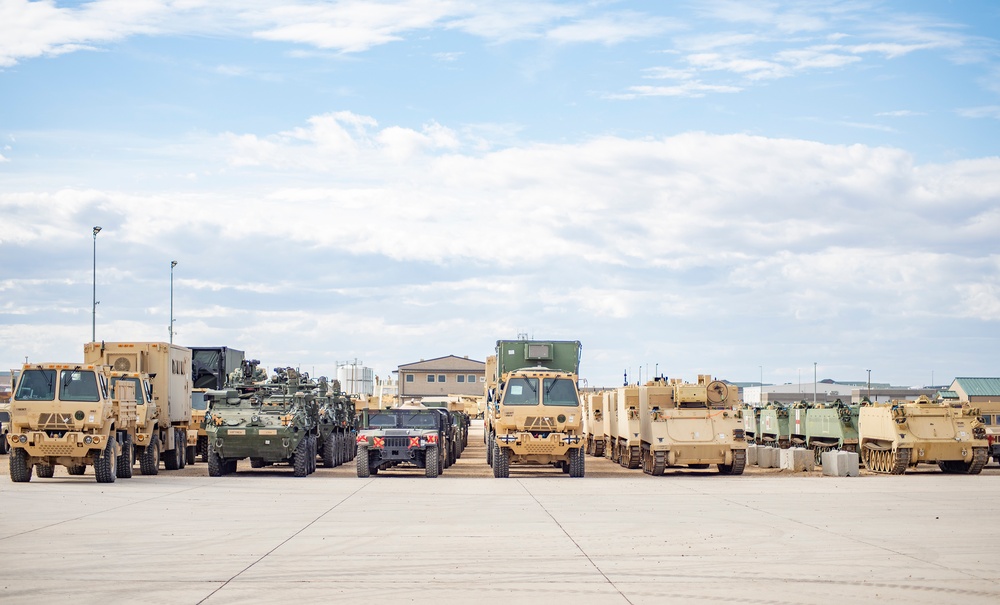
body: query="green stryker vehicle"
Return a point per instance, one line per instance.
(337, 426)
(270, 423)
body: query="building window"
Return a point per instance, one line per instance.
(987, 419)
(440, 377)
(430, 378)
(461, 378)
(409, 378)
(472, 377)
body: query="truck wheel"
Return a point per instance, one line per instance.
(364, 471)
(577, 460)
(4, 446)
(106, 464)
(489, 450)
(331, 455)
(217, 467)
(501, 462)
(45, 471)
(203, 448)
(149, 459)
(431, 468)
(76, 469)
(127, 459)
(313, 440)
(191, 453)
(300, 459)
(256, 462)
(20, 470)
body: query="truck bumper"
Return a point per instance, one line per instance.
(74, 445)
(526, 444)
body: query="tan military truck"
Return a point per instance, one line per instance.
(627, 440)
(594, 404)
(66, 414)
(693, 425)
(169, 369)
(147, 415)
(897, 435)
(536, 417)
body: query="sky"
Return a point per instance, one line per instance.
(757, 191)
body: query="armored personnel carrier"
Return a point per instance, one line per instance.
(337, 428)
(898, 435)
(691, 424)
(536, 413)
(595, 424)
(269, 423)
(66, 414)
(610, 404)
(824, 427)
(412, 435)
(774, 430)
(627, 442)
(751, 423)
(211, 368)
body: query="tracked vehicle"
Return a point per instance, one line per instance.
(537, 418)
(774, 429)
(626, 446)
(824, 427)
(412, 435)
(751, 423)
(691, 425)
(269, 423)
(610, 404)
(594, 404)
(898, 435)
(67, 414)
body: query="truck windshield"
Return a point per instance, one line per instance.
(77, 385)
(382, 421)
(521, 391)
(420, 421)
(36, 385)
(559, 391)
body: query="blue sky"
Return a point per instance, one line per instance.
(703, 187)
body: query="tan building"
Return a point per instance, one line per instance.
(983, 393)
(449, 375)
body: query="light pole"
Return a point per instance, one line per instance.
(93, 323)
(814, 383)
(869, 385)
(760, 398)
(173, 264)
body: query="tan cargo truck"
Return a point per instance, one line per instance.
(534, 407)
(169, 369)
(67, 414)
(691, 425)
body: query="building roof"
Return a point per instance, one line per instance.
(980, 387)
(946, 394)
(445, 364)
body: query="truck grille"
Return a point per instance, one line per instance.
(539, 423)
(397, 442)
(55, 422)
(57, 450)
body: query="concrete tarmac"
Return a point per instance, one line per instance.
(615, 536)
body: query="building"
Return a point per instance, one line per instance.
(982, 393)
(450, 375)
(824, 391)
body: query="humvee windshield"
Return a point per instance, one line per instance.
(76, 385)
(36, 385)
(418, 420)
(559, 391)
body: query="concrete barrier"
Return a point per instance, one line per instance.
(752, 454)
(797, 459)
(841, 464)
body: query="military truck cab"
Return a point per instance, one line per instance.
(66, 414)
(537, 417)
(415, 436)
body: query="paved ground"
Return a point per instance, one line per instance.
(616, 536)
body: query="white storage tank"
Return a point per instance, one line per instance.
(356, 379)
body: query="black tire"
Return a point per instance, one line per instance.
(300, 459)
(489, 450)
(191, 454)
(4, 445)
(501, 462)
(313, 440)
(257, 463)
(76, 469)
(203, 448)
(577, 462)
(431, 467)
(331, 454)
(45, 471)
(217, 467)
(127, 459)
(20, 470)
(149, 458)
(106, 464)
(364, 470)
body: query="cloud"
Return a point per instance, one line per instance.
(986, 111)
(900, 113)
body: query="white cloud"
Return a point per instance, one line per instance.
(986, 111)
(900, 113)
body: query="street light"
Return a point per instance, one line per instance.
(869, 385)
(93, 323)
(814, 383)
(173, 264)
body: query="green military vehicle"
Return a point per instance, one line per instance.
(269, 423)
(411, 435)
(823, 427)
(459, 419)
(337, 427)
(774, 429)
